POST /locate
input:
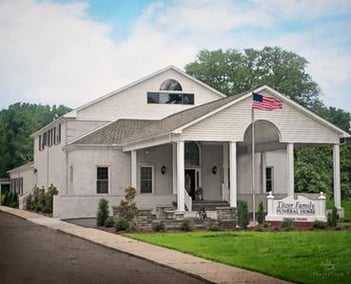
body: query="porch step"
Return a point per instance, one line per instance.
(208, 205)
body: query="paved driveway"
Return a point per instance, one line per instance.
(30, 253)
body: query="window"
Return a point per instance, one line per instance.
(102, 180)
(170, 84)
(269, 179)
(146, 180)
(192, 154)
(170, 98)
(50, 137)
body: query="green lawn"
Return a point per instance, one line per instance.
(305, 257)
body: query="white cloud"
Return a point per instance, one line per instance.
(55, 53)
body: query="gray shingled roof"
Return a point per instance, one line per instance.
(128, 130)
(114, 133)
(180, 119)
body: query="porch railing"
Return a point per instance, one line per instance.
(188, 201)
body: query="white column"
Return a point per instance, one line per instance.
(290, 168)
(233, 175)
(263, 172)
(180, 176)
(133, 168)
(174, 167)
(225, 171)
(336, 171)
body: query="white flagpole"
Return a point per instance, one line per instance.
(253, 165)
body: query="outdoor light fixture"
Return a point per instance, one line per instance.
(163, 170)
(214, 170)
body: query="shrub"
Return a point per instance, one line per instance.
(13, 200)
(109, 222)
(127, 208)
(319, 224)
(332, 217)
(266, 225)
(103, 212)
(185, 226)
(213, 227)
(158, 226)
(121, 224)
(49, 199)
(243, 214)
(29, 202)
(287, 224)
(260, 213)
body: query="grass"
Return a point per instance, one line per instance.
(304, 257)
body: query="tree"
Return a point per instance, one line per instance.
(232, 72)
(17, 123)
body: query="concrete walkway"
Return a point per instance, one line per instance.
(206, 269)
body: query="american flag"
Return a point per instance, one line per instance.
(265, 103)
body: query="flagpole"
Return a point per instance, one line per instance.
(253, 164)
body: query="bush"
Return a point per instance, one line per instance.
(10, 199)
(109, 222)
(49, 199)
(332, 217)
(319, 224)
(243, 214)
(260, 213)
(158, 226)
(287, 224)
(29, 202)
(266, 225)
(127, 208)
(213, 227)
(102, 213)
(121, 224)
(186, 226)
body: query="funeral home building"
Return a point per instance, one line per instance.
(177, 141)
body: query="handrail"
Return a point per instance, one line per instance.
(22, 200)
(188, 201)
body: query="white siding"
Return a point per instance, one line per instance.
(157, 157)
(77, 128)
(212, 155)
(132, 102)
(50, 163)
(231, 123)
(84, 164)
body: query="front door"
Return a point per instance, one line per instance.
(192, 181)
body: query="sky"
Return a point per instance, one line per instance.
(71, 52)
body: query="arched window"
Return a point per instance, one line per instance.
(192, 154)
(170, 85)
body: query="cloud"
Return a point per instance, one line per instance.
(53, 53)
(56, 53)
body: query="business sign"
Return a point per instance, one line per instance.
(297, 208)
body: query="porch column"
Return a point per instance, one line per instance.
(290, 168)
(233, 176)
(174, 168)
(225, 171)
(134, 168)
(336, 172)
(180, 176)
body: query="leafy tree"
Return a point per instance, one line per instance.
(17, 123)
(233, 71)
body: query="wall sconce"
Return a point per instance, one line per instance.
(163, 170)
(35, 171)
(214, 170)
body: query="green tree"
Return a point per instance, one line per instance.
(17, 123)
(233, 71)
